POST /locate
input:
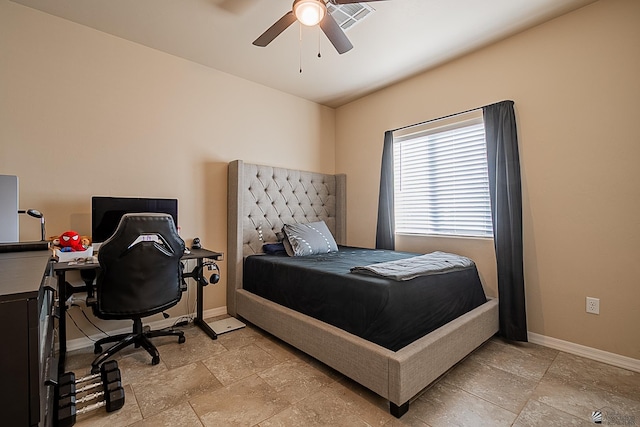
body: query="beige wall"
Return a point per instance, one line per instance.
(576, 86)
(84, 113)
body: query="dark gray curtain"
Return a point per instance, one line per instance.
(506, 209)
(385, 234)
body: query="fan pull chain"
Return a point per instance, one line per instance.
(300, 47)
(318, 32)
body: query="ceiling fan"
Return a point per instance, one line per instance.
(310, 13)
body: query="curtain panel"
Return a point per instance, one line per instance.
(386, 233)
(506, 210)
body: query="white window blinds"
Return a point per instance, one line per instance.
(441, 185)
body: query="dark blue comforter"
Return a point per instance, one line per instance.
(389, 313)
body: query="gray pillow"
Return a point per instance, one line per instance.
(308, 239)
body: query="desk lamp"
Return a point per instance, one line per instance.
(36, 214)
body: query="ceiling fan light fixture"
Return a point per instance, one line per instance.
(309, 12)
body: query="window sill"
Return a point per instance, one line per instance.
(443, 236)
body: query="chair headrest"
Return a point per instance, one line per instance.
(136, 228)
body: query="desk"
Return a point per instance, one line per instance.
(65, 290)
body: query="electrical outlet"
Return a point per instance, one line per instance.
(593, 305)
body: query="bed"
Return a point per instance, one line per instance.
(261, 199)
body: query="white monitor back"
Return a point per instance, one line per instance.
(9, 226)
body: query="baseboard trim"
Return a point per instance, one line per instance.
(588, 352)
(78, 343)
(566, 346)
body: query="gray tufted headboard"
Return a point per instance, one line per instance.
(261, 199)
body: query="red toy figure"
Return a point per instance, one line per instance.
(70, 242)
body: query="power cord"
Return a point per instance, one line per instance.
(184, 320)
(181, 321)
(191, 300)
(88, 320)
(78, 326)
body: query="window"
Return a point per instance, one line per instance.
(441, 184)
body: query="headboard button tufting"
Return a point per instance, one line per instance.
(283, 188)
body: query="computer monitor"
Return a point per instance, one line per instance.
(9, 231)
(107, 211)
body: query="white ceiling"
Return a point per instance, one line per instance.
(402, 38)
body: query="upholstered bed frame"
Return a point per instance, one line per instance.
(260, 200)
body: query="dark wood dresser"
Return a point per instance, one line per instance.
(27, 291)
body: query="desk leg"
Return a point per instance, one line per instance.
(199, 321)
(62, 320)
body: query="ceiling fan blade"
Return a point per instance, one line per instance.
(275, 30)
(335, 34)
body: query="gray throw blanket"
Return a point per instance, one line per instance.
(422, 265)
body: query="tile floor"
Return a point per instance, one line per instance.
(248, 378)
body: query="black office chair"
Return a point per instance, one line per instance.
(140, 275)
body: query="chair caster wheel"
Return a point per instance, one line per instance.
(97, 349)
(181, 339)
(155, 360)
